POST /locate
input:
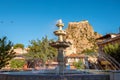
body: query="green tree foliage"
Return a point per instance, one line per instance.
(16, 63)
(89, 52)
(42, 50)
(95, 33)
(18, 46)
(113, 50)
(6, 52)
(79, 64)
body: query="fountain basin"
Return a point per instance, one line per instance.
(39, 75)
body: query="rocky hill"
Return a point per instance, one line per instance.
(81, 35)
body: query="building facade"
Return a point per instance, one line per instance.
(105, 60)
(108, 39)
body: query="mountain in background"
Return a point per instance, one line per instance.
(82, 36)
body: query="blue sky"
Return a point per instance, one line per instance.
(25, 20)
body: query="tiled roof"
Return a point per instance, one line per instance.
(110, 40)
(76, 55)
(55, 63)
(107, 36)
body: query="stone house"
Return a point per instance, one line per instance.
(105, 60)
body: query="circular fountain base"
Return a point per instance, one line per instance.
(51, 75)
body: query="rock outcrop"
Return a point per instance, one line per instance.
(81, 35)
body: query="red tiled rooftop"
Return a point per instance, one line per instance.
(76, 55)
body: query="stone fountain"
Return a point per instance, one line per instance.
(60, 44)
(56, 74)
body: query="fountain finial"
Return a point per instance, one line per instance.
(60, 24)
(59, 21)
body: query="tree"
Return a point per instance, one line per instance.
(79, 64)
(16, 63)
(113, 50)
(6, 52)
(18, 46)
(89, 52)
(40, 49)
